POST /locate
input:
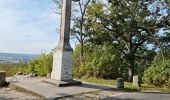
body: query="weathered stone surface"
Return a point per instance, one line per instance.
(48, 91)
(11, 94)
(62, 83)
(2, 77)
(136, 81)
(62, 65)
(120, 83)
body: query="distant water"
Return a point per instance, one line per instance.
(15, 58)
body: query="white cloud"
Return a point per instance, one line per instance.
(27, 26)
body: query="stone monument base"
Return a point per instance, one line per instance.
(62, 65)
(62, 83)
(51, 92)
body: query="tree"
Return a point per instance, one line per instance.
(99, 62)
(78, 27)
(129, 25)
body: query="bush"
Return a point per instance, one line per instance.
(99, 62)
(158, 74)
(12, 68)
(41, 66)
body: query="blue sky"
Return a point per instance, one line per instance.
(28, 26)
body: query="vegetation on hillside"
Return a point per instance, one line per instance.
(12, 68)
(40, 66)
(158, 74)
(100, 62)
(128, 86)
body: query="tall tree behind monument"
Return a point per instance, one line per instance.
(129, 26)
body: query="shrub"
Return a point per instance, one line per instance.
(12, 68)
(158, 74)
(41, 66)
(99, 62)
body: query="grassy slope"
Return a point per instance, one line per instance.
(128, 86)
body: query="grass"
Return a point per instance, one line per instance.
(12, 68)
(146, 87)
(128, 86)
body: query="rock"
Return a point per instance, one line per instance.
(2, 79)
(32, 75)
(48, 75)
(136, 81)
(4, 84)
(19, 73)
(120, 83)
(8, 89)
(25, 73)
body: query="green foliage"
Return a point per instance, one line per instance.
(12, 68)
(41, 66)
(99, 61)
(158, 74)
(128, 25)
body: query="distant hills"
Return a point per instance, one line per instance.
(15, 58)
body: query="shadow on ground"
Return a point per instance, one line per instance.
(2, 98)
(114, 98)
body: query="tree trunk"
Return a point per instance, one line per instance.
(131, 68)
(81, 39)
(81, 52)
(131, 73)
(131, 59)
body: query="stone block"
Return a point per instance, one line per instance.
(62, 65)
(136, 81)
(120, 83)
(2, 77)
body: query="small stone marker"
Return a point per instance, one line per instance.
(120, 83)
(2, 77)
(136, 81)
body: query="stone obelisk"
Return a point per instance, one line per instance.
(63, 53)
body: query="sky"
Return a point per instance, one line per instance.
(28, 26)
